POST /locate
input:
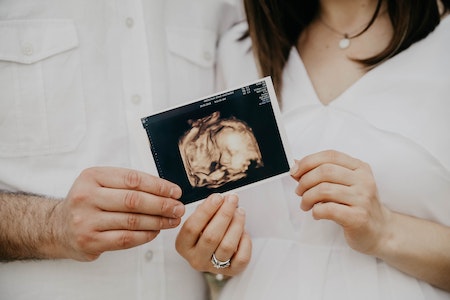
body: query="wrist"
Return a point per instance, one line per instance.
(55, 245)
(386, 244)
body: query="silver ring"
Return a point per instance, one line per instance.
(220, 264)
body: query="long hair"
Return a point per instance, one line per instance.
(275, 26)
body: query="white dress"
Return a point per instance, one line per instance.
(397, 119)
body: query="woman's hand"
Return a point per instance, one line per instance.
(341, 188)
(338, 187)
(216, 228)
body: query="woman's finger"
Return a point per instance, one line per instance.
(241, 258)
(326, 192)
(215, 231)
(193, 227)
(230, 242)
(312, 161)
(336, 212)
(325, 173)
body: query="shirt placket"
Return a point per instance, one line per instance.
(138, 102)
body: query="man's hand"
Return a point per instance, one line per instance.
(106, 209)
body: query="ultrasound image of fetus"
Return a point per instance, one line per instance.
(217, 151)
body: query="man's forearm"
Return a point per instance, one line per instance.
(25, 226)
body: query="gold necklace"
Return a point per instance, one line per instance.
(344, 42)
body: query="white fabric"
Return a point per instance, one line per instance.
(76, 76)
(396, 118)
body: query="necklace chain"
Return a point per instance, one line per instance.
(344, 42)
(345, 34)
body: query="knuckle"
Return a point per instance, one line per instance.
(174, 222)
(226, 213)
(132, 222)
(210, 239)
(78, 199)
(88, 173)
(331, 154)
(307, 200)
(80, 196)
(132, 179)
(364, 165)
(126, 240)
(162, 223)
(83, 241)
(165, 206)
(317, 213)
(228, 247)
(322, 211)
(161, 187)
(299, 190)
(326, 170)
(241, 260)
(325, 190)
(189, 229)
(197, 263)
(132, 200)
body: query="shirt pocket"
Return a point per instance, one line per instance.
(42, 109)
(191, 62)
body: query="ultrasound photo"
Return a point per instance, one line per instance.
(224, 142)
(216, 151)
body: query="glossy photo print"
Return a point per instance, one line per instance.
(220, 143)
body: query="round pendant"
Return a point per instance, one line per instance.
(344, 43)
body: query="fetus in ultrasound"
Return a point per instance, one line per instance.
(216, 151)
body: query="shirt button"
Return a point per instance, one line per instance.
(148, 255)
(136, 99)
(27, 49)
(207, 55)
(129, 22)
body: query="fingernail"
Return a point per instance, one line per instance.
(233, 198)
(177, 211)
(174, 192)
(217, 198)
(240, 211)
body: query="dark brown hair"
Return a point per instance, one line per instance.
(275, 25)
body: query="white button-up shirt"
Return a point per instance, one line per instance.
(76, 76)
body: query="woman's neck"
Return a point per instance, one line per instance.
(347, 15)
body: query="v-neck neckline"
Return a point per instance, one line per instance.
(299, 66)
